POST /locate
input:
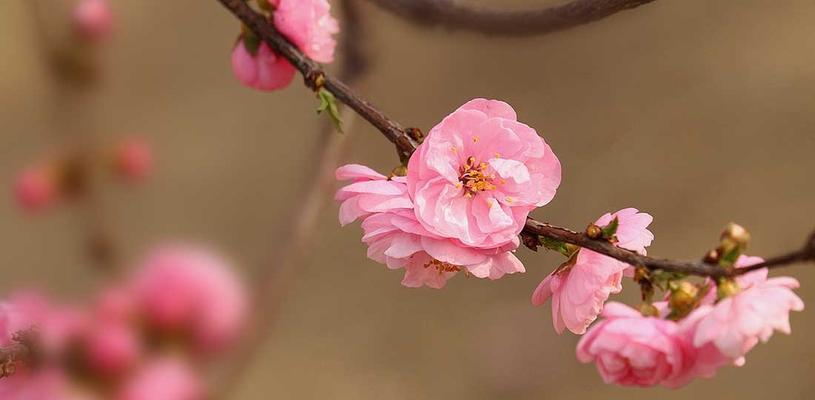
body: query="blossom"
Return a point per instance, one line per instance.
(93, 19)
(737, 323)
(479, 173)
(111, 347)
(581, 286)
(309, 25)
(133, 159)
(163, 379)
(36, 188)
(262, 69)
(632, 229)
(186, 289)
(369, 192)
(632, 350)
(398, 240)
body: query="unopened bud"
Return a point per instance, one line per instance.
(648, 310)
(737, 234)
(399, 171)
(593, 231)
(726, 287)
(712, 257)
(684, 296)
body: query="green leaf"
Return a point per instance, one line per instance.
(557, 245)
(250, 41)
(611, 229)
(329, 103)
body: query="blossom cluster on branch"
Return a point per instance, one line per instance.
(462, 203)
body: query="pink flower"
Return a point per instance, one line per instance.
(93, 19)
(36, 188)
(133, 159)
(164, 379)
(398, 240)
(737, 323)
(632, 231)
(47, 384)
(579, 290)
(479, 173)
(370, 192)
(263, 70)
(112, 347)
(309, 25)
(631, 350)
(190, 290)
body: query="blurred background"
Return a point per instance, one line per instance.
(697, 112)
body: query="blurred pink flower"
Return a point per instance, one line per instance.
(479, 173)
(578, 291)
(369, 192)
(133, 159)
(48, 384)
(57, 325)
(112, 347)
(163, 379)
(632, 350)
(309, 25)
(398, 240)
(36, 188)
(93, 19)
(264, 70)
(193, 291)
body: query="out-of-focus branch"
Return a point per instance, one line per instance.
(274, 282)
(23, 347)
(453, 14)
(406, 141)
(74, 68)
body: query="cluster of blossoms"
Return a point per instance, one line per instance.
(461, 205)
(308, 24)
(468, 191)
(144, 338)
(63, 176)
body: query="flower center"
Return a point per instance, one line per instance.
(473, 177)
(442, 267)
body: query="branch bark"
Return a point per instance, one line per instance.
(454, 15)
(406, 145)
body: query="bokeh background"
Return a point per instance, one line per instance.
(698, 112)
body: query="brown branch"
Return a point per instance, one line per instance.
(273, 284)
(405, 146)
(74, 67)
(454, 15)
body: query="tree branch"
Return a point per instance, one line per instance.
(454, 15)
(406, 145)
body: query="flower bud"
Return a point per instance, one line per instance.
(593, 231)
(712, 257)
(648, 310)
(684, 296)
(726, 287)
(36, 188)
(93, 19)
(133, 160)
(737, 234)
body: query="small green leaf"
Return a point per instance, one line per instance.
(611, 229)
(557, 245)
(329, 103)
(250, 41)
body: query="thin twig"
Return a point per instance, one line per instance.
(406, 145)
(74, 69)
(274, 282)
(455, 15)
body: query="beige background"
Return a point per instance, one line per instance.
(699, 112)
